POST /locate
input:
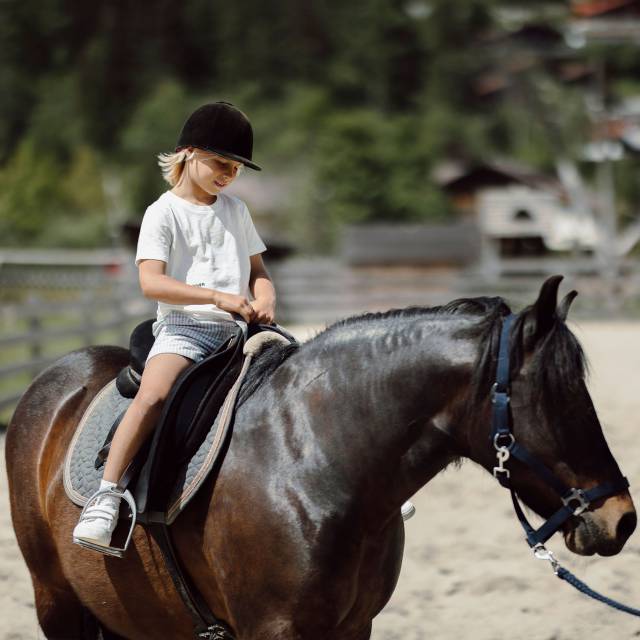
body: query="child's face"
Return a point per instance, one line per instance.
(212, 172)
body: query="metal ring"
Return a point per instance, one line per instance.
(511, 437)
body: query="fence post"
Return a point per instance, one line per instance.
(87, 312)
(121, 316)
(34, 323)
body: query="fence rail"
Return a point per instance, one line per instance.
(66, 325)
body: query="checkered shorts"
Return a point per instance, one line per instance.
(194, 339)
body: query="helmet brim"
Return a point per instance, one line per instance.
(226, 154)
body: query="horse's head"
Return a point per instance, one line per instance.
(554, 419)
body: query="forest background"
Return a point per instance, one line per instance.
(354, 106)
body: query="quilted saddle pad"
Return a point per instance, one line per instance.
(82, 479)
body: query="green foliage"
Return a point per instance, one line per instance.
(355, 103)
(365, 161)
(44, 203)
(56, 123)
(28, 192)
(152, 129)
(367, 167)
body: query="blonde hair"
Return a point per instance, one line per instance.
(172, 164)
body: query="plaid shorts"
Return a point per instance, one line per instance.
(194, 339)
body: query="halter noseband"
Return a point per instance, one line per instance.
(574, 501)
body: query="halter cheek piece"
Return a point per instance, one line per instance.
(574, 501)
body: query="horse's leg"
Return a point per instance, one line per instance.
(61, 615)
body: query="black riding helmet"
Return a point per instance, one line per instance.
(221, 128)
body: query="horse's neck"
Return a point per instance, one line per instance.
(389, 402)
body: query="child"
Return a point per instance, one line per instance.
(199, 257)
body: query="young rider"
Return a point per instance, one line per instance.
(199, 256)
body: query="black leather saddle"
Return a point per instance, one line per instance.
(187, 415)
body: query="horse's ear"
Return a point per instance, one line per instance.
(539, 318)
(563, 307)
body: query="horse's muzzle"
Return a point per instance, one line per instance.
(603, 531)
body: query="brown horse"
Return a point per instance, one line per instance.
(300, 536)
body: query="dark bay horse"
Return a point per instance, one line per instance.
(300, 535)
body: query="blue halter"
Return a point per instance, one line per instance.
(574, 501)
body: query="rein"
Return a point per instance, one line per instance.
(574, 500)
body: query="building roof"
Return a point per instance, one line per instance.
(595, 8)
(494, 174)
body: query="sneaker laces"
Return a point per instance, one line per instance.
(105, 506)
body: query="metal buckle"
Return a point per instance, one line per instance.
(215, 632)
(503, 454)
(498, 470)
(576, 494)
(500, 447)
(542, 553)
(494, 392)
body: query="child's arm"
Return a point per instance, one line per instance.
(155, 284)
(263, 291)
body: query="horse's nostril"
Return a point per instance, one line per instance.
(626, 526)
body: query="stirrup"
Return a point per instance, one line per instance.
(111, 551)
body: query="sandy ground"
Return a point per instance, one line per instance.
(467, 571)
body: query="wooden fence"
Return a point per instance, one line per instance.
(41, 331)
(36, 332)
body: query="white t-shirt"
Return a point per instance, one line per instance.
(202, 245)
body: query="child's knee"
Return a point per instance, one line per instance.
(150, 401)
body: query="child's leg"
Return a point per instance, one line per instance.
(158, 378)
(101, 515)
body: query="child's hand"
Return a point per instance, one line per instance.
(265, 310)
(234, 304)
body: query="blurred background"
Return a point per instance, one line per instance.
(413, 150)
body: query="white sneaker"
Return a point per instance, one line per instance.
(99, 519)
(407, 510)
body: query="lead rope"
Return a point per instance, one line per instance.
(542, 553)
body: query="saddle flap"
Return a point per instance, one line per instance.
(188, 414)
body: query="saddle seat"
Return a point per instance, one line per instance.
(188, 413)
(140, 343)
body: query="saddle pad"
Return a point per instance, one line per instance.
(82, 479)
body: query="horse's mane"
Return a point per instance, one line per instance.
(559, 362)
(460, 306)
